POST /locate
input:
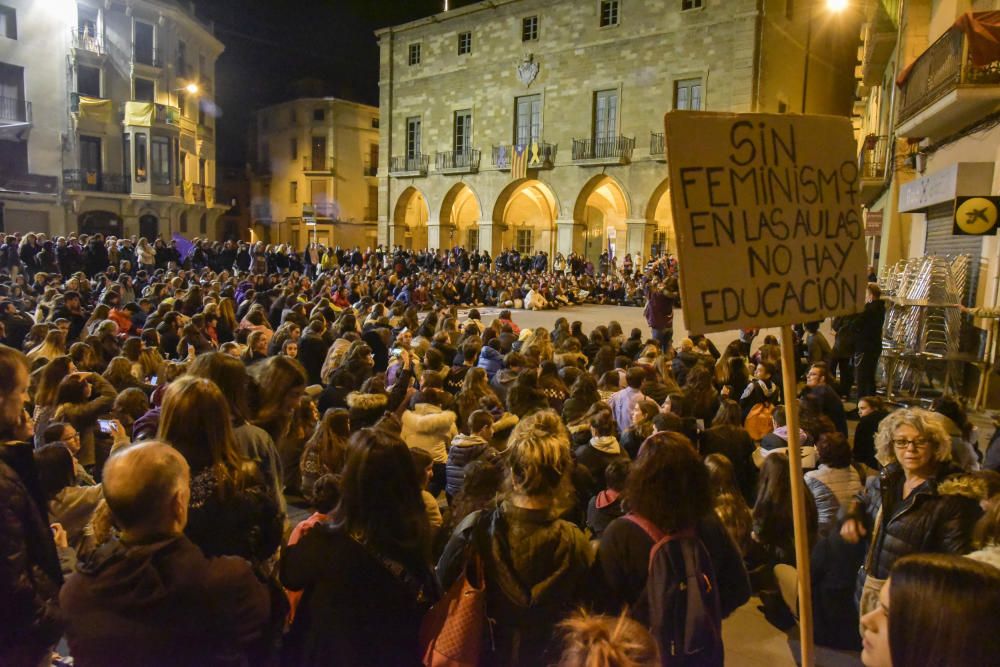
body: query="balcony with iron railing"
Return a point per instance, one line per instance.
(198, 192)
(603, 150)
(317, 164)
(370, 169)
(209, 193)
(657, 145)
(945, 89)
(260, 211)
(409, 165)
(206, 132)
(541, 155)
(35, 183)
(84, 41)
(873, 166)
(14, 110)
(95, 181)
(457, 162)
(321, 209)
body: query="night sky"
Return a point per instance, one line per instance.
(272, 44)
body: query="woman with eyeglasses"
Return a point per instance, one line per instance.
(920, 503)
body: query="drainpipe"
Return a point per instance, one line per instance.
(386, 122)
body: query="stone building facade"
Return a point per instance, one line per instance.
(107, 118)
(581, 88)
(314, 172)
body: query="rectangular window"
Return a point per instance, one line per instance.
(789, 9)
(525, 242)
(293, 148)
(318, 153)
(182, 100)
(528, 126)
(161, 160)
(375, 123)
(8, 22)
(414, 54)
(472, 240)
(140, 157)
(690, 4)
(412, 137)
(86, 26)
(687, 94)
(142, 45)
(127, 159)
(182, 67)
(529, 28)
(463, 131)
(319, 115)
(372, 212)
(782, 107)
(88, 81)
(609, 13)
(293, 192)
(464, 43)
(90, 162)
(659, 243)
(605, 115)
(372, 160)
(145, 90)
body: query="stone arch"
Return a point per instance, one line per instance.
(105, 223)
(526, 212)
(660, 220)
(461, 211)
(603, 208)
(410, 219)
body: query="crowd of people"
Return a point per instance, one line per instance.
(221, 459)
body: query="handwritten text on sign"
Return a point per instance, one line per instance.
(767, 217)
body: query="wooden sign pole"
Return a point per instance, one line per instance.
(802, 553)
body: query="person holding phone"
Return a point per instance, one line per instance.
(82, 398)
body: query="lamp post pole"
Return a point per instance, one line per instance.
(805, 68)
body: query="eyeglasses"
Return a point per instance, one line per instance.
(903, 445)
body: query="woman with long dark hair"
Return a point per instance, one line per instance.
(365, 575)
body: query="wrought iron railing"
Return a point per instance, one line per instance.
(317, 163)
(410, 163)
(944, 66)
(95, 181)
(467, 159)
(29, 183)
(209, 194)
(371, 169)
(874, 157)
(15, 109)
(604, 148)
(657, 144)
(83, 40)
(541, 155)
(206, 132)
(198, 191)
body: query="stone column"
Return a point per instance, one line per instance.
(638, 237)
(441, 235)
(489, 237)
(569, 237)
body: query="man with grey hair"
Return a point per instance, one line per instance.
(151, 597)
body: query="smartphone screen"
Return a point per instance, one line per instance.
(153, 380)
(700, 423)
(104, 425)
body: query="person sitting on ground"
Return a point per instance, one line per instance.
(465, 449)
(606, 641)
(827, 398)
(762, 389)
(602, 449)
(217, 608)
(730, 506)
(934, 609)
(871, 410)
(606, 506)
(642, 426)
(835, 483)
(424, 466)
(776, 442)
(623, 402)
(70, 505)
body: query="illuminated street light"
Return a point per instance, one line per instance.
(192, 88)
(836, 5)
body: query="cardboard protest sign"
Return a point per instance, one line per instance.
(767, 217)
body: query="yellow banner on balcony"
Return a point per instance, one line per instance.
(95, 109)
(188, 192)
(209, 197)
(139, 113)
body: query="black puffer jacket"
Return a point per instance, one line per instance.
(938, 516)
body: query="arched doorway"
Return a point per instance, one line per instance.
(410, 219)
(149, 227)
(460, 212)
(105, 223)
(602, 208)
(660, 217)
(526, 211)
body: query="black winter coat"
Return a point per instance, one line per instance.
(937, 517)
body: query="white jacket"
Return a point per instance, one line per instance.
(429, 428)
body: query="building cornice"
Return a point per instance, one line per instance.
(192, 24)
(451, 14)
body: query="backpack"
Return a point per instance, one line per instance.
(758, 422)
(680, 603)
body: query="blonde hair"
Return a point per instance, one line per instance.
(539, 460)
(606, 641)
(928, 424)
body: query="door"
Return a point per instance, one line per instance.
(319, 153)
(149, 227)
(529, 120)
(317, 195)
(90, 162)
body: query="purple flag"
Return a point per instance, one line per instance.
(184, 247)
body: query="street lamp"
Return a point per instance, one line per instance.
(192, 88)
(833, 7)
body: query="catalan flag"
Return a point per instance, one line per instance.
(519, 163)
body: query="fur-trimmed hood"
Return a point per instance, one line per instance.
(964, 485)
(989, 554)
(359, 401)
(507, 420)
(428, 418)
